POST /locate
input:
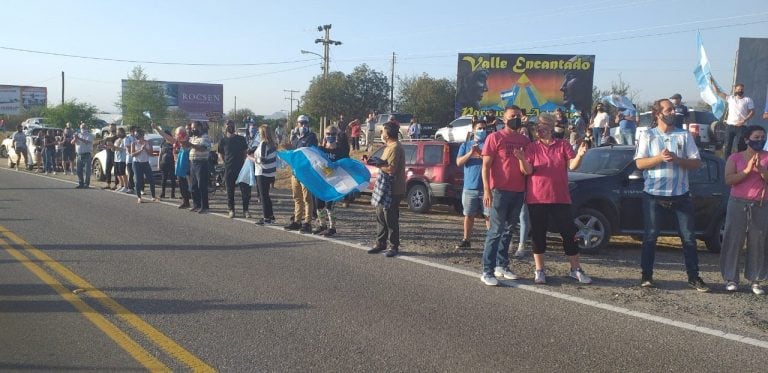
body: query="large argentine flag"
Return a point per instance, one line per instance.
(620, 102)
(327, 180)
(703, 72)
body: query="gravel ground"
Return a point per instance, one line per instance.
(615, 271)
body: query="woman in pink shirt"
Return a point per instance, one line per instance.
(746, 172)
(547, 161)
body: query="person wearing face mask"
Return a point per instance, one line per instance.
(233, 149)
(599, 124)
(471, 159)
(127, 143)
(120, 154)
(302, 198)
(334, 149)
(141, 150)
(746, 172)
(180, 142)
(546, 163)
(666, 154)
(740, 110)
(199, 154)
(681, 111)
(391, 168)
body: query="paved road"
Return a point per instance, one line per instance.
(165, 288)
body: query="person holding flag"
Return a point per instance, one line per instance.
(302, 198)
(740, 110)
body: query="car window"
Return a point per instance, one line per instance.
(703, 117)
(410, 154)
(402, 118)
(461, 122)
(433, 154)
(605, 161)
(156, 142)
(701, 174)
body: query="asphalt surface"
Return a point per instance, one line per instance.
(245, 298)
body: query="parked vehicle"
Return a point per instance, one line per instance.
(403, 118)
(6, 147)
(432, 174)
(456, 131)
(100, 159)
(607, 192)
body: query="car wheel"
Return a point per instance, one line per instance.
(593, 230)
(418, 198)
(715, 242)
(98, 172)
(363, 139)
(3, 152)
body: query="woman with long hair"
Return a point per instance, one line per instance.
(264, 158)
(141, 150)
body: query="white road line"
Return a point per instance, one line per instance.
(535, 289)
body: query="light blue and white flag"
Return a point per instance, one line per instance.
(326, 179)
(620, 102)
(703, 73)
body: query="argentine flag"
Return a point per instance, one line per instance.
(326, 179)
(703, 72)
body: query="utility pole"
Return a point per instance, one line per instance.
(327, 42)
(392, 88)
(62, 88)
(291, 92)
(235, 114)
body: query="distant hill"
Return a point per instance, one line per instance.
(276, 115)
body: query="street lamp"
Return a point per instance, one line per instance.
(308, 52)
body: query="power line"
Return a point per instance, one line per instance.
(262, 74)
(149, 62)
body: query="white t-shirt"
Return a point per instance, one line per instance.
(600, 120)
(738, 108)
(127, 141)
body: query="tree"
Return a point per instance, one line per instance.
(71, 111)
(327, 96)
(140, 95)
(241, 115)
(369, 90)
(429, 99)
(176, 117)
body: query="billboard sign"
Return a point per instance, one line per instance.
(14, 98)
(195, 99)
(753, 75)
(534, 82)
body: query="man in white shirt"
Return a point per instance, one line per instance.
(740, 110)
(370, 131)
(83, 142)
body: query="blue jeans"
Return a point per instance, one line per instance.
(525, 224)
(627, 137)
(143, 172)
(682, 207)
(597, 135)
(48, 159)
(84, 169)
(200, 179)
(505, 213)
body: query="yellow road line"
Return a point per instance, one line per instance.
(158, 338)
(123, 340)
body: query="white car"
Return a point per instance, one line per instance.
(6, 147)
(456, 131)
(100, 159)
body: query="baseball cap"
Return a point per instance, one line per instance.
(676, 96)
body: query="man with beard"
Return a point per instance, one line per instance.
(740, 110)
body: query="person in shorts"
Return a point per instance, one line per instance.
(471, 159)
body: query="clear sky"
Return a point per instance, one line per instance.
(651, 43)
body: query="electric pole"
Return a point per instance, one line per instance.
(62, 88)
(327, 42)
(392, 88)
(291, 92)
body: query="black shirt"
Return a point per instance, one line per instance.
(233, 149)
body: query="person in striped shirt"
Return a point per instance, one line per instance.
(265, 166)
(666, 154)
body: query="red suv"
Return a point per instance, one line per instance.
(432, 176)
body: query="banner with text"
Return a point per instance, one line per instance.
(195, 99)
(534, 82)
(14, 98)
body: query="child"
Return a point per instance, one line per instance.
(325, 209)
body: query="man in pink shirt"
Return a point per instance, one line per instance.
(504, 188)
(547, 161)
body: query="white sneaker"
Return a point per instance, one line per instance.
(231, 214)
(757, 289)
(129, 190)
(247, 214)
(579, 274)
(731, 286)
(505, 273)
(521, 252)
(489, 280)
(539, 278)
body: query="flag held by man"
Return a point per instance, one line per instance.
(326, 179)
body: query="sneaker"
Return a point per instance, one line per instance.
(183, 205)
(294, 226)
(579, 274)
(247, 214)
(54, 172)
(270, 221)
(758, 289)
(731, 286)
(129, 191)
(231, 214)
(505, 273)
(376, 249)
(489, 279)
(328, 232)
(539, 277)
(698, 284)
(306, 228)
(647, 282)
(463, 245)
(521, 252)
(392, 252)
(106, 187)
(319, 229)
(203, 211)
(194, 209)
(79, 187)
